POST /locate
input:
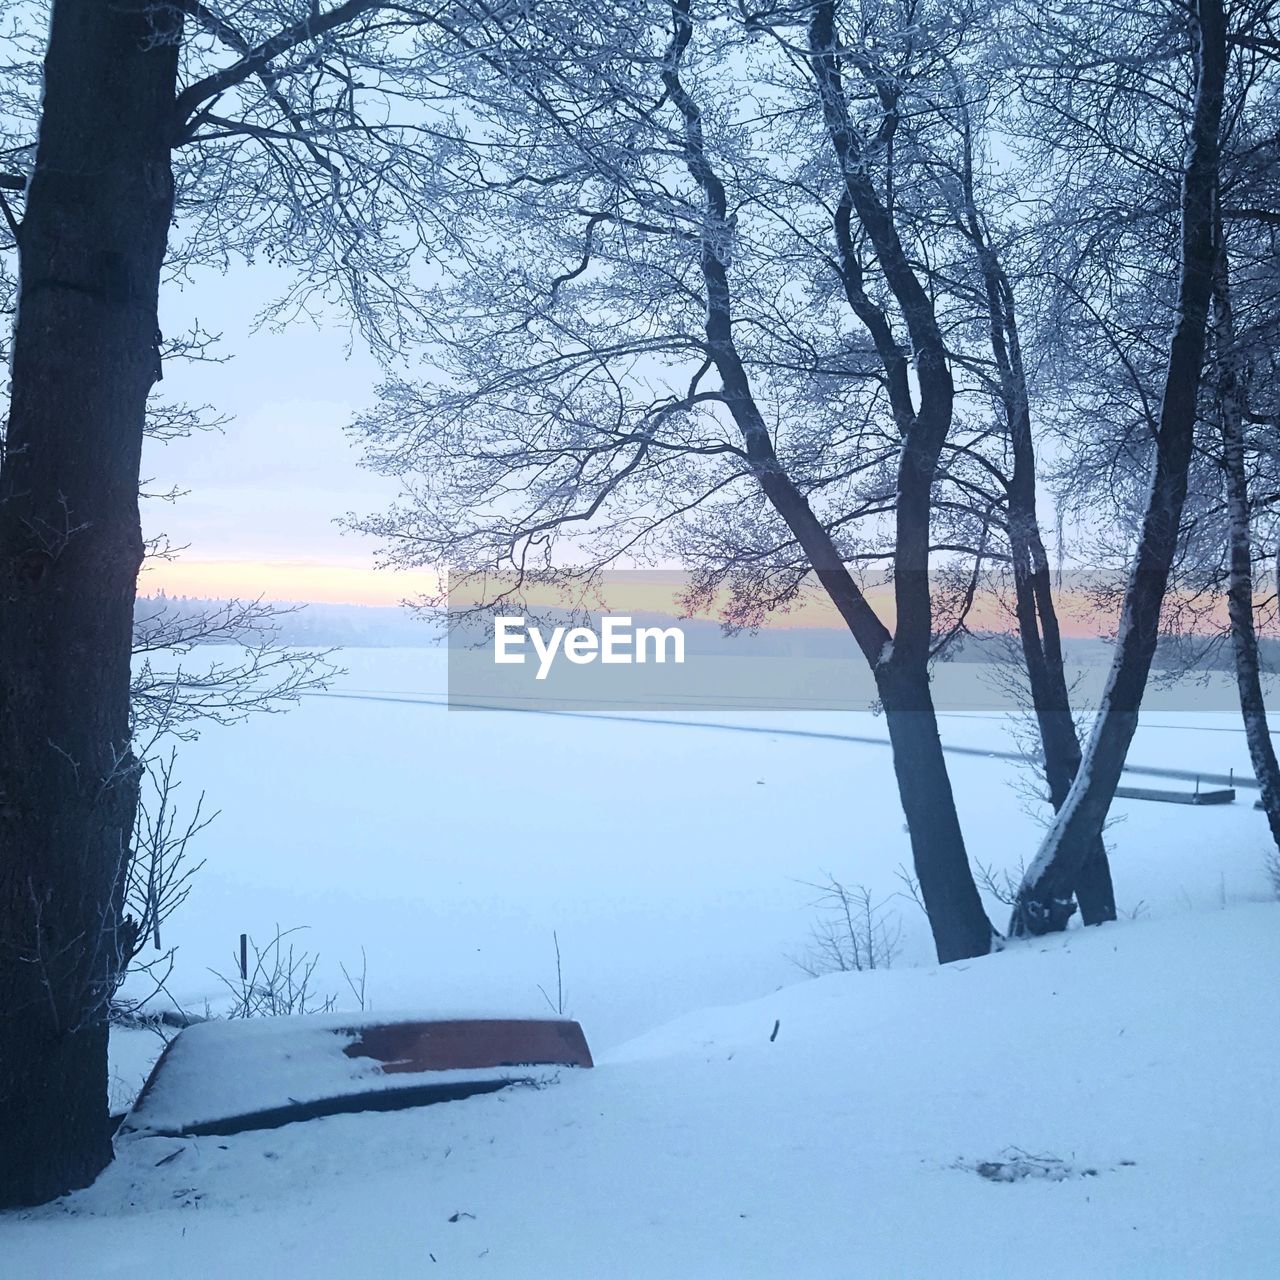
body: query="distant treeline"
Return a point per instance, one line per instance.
(313, 625)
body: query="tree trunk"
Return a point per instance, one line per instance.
(1050, 700)
(1244, 635)
(85, 355)
(1041, 639)
(959, 921)
(951, 899)
(1038, 629)
(1045, 895)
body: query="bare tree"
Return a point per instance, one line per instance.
(1039, 630)
(252, 671)
(1045, 900)
(1108, 261)
(853, 933)
(1232, 380)
(1246, 347)
(158, 879)
(278, 980)
(277, 127)
(982, 210)
(550, 425)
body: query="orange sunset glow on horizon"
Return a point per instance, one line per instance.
(640, 591)
(309, 581)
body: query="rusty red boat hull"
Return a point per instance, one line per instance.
(432, 1056)
(459, 1044)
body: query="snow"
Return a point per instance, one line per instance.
(226, 1068)
(1143, 1056)
(672, 862)
(1130, 1072)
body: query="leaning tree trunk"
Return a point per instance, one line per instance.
(1051, 702)
(1041, 638)
(1038, 630)
(85, 355)
(1044, 897)
(1244, 635)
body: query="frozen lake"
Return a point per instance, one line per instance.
(670, 859)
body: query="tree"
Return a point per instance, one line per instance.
(646, 263)
(960, 174)
(819, 265)
(1038, 627)
(1234, 368)
(1245, 336)
(172, 699)
(85, 356)
(276, 129)
(1044, 899)
(902, 668)
(1108, 256)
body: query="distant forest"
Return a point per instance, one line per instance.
(311, 625)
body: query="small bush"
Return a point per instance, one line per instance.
(853, 931)
(276, 980)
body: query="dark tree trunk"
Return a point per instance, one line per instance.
(960, 924)
(1044, 899)
(1038, 630)
(1244, 635)
(1041, 635)
(951, 899)
(85, 355)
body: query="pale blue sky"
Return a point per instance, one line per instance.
(268, 487)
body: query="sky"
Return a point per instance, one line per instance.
(262, 496)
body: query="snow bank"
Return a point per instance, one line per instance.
(1135, 1066)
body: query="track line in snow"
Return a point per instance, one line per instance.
(420, 700)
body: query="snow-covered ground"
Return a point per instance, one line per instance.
(670, 861)
(1143, 1057)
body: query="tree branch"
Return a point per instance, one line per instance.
(256, 60)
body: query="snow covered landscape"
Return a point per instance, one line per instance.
(639, 640)
(1132, 1084)
(674, 861)
(1117, 1085)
